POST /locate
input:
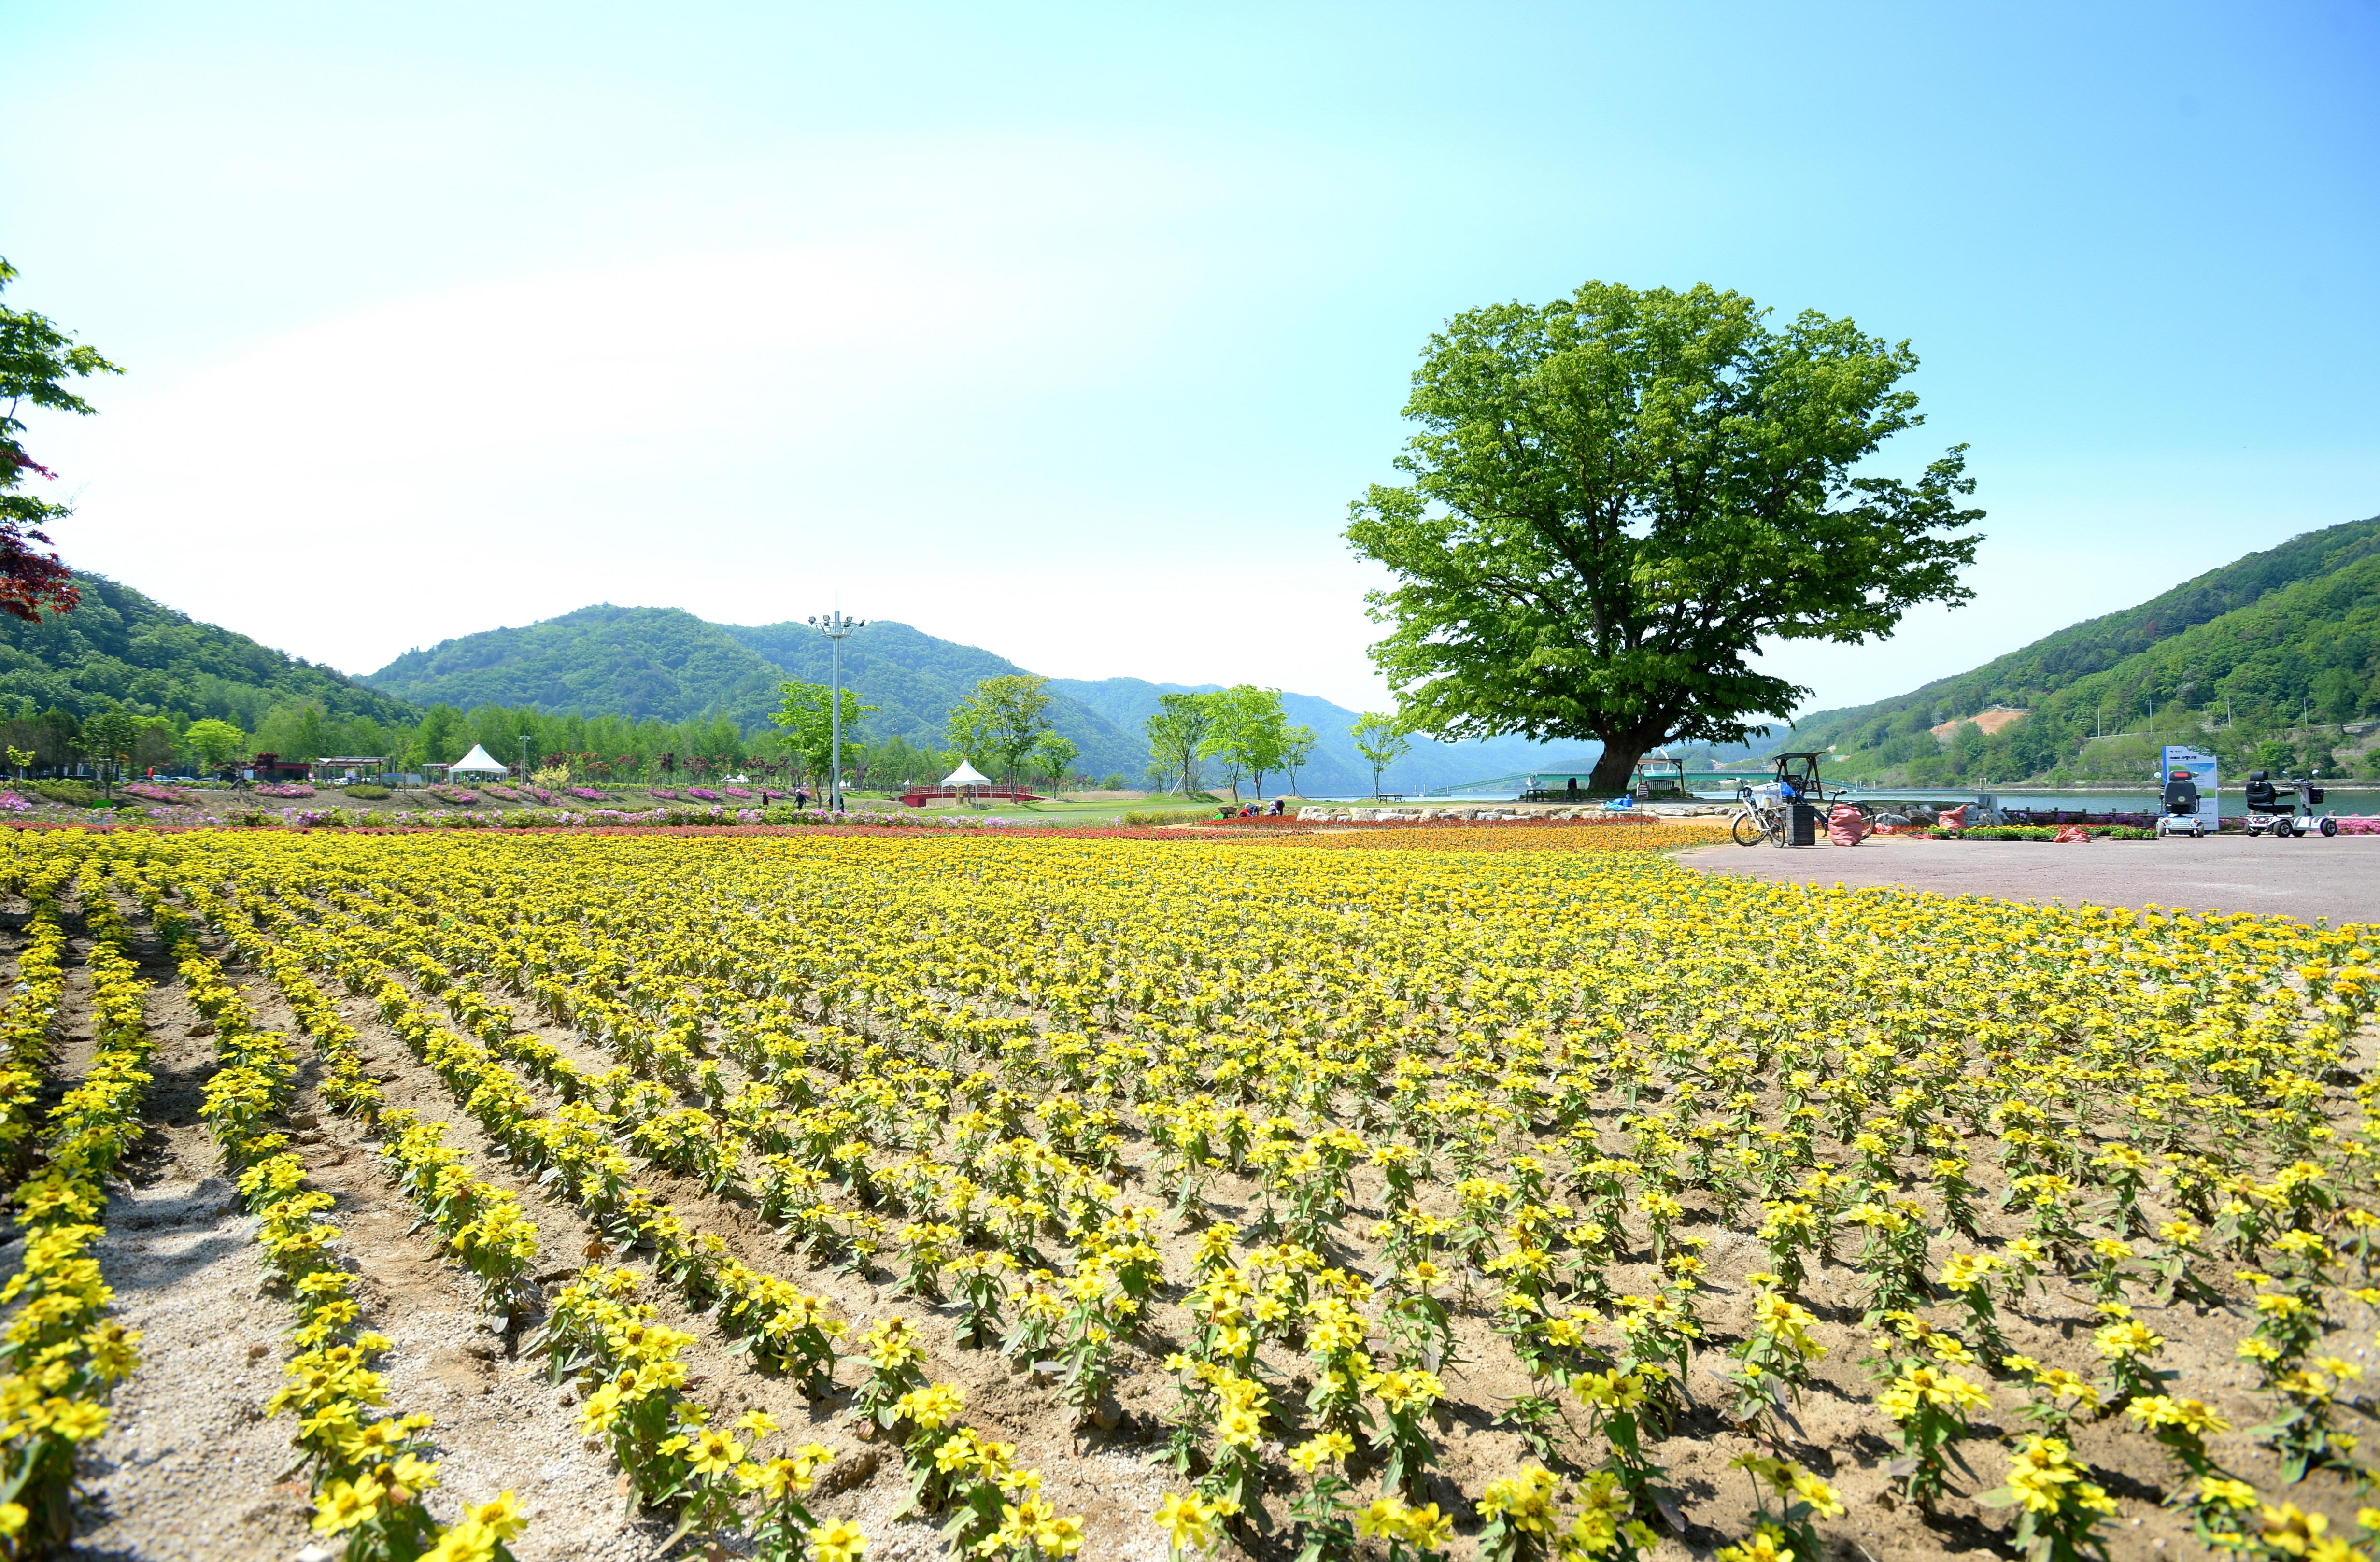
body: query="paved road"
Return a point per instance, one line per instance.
(2310, 877)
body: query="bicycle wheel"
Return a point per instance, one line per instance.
(1748, 831)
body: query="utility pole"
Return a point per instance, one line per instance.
(836, 627)
(524, 759)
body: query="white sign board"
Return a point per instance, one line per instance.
(2200, 767)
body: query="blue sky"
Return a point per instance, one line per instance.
(1071, 331)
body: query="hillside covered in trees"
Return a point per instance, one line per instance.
(122, 648)
(2280, 648)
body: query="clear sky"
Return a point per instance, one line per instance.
(1070, 331)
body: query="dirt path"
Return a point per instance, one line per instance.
(2337, 878)
(190, 1465)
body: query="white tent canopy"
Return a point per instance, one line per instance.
(966, 775)
(476, 763)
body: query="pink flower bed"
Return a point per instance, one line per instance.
(705, 793)
(585, 794)
(662, 792)
(284, 789)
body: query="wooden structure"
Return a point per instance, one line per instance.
(918, 797)
(343, 769)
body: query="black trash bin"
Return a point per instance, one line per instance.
(1805, 824)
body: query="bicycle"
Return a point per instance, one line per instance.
(1761, 818)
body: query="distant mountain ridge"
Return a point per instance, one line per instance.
(666, 662)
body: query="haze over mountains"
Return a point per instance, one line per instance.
(666, 662)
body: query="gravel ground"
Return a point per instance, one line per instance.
(2337, 878)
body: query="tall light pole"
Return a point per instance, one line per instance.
(524, 759)
(836, 627)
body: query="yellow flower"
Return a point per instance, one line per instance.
(79, 1421)
(2214, 1491)
(2290, 1532)
(500, 1514)
(932, 1407)
(343, 1504)
(1427, 1530)
(2128, 1338)
(1524, 1500)
(838, 1539)
(469, 1541)
(1321, 1449)
(1191, 1522)
(1824, 1500)
(1767, 1544)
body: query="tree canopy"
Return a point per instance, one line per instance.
(805, 713)
(1615, 498)
(37, 359)
(1383, 740)
(1250, 734)
(1002, 721)
(1177, 734)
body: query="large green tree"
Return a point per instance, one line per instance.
(1176, 734)
(36, 360)
(1250, 733)
(1613, 500)
(215, 741)
(806, 715)
(1001, 722)
(109, 736)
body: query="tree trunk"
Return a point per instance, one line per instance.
(1617, 766)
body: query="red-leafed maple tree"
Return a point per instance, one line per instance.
(36, 360)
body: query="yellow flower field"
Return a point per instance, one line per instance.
(1378, 1197)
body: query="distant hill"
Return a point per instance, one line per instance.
(121, 646)
(665, 663)
(2289, 631)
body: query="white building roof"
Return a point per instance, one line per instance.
(476, 762)
(966, 775)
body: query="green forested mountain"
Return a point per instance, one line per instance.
(2274, 641)
(644, 662)
(120, 647)
(665, 664)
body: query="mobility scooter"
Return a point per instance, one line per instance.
(2275, 812)
(2181, 816)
